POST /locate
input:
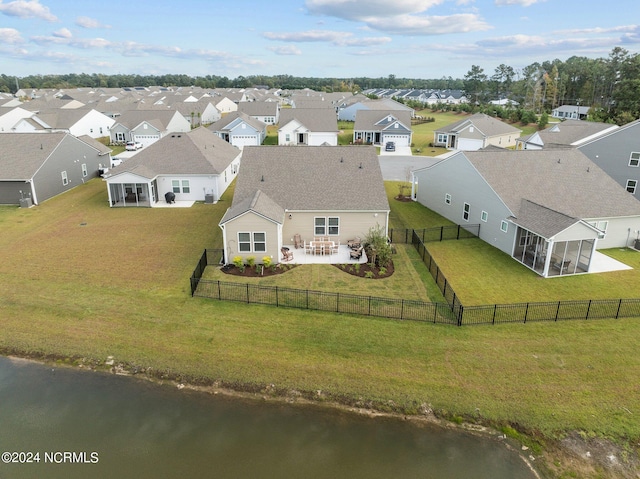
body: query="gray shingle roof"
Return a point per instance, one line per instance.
(198, 152)
(543, 221)
(571, 131)
(258, 108)
(488, 125)
(315, 119)
(223, 123)
(158, 118)
(22, 154)
(366, 119)
(563, 180)
(259, 203)
(308, 178)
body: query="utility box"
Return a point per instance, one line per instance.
(26, 202)
(208, 199)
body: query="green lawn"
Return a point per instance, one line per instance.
(84, 280)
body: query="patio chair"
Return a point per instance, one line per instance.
(297, 241)
(287, 255)
(356, 253)
(562, 267)
(354, 243)
(335, 248)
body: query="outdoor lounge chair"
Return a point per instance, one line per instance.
(287, 255)
(356, 253)
(354, 243)
(297, 241)
(562, 267)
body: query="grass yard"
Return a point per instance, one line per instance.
(81, 279)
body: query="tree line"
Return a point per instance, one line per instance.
(609, 86)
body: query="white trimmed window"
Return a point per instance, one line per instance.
(442, 138)
(326, 226)
(84, 170)
(602, 227)
(631, 186)
(252, 242)
(484, 216)
(447, 198)
(180, 186)
(504, 226)
(634, 159)
(65, 179)
(465, 211)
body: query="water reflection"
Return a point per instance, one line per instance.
(144, 430)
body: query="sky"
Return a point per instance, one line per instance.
(307, 38)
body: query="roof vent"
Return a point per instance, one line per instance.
(558, 160)
(341, 160)
(360, 167)
(262, 179)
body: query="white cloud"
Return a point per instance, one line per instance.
(429, 25)
(87, 22)
(10, 36)
(27, 9)
(63, 33)
(357, 9)
(523, 3)
(286, 50)
(329, 36)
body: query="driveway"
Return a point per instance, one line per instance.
(398, 167)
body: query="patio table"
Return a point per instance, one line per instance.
(321, 247)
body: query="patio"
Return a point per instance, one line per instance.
(343, 256)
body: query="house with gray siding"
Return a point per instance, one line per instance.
(336, 192)
(39, 166)
(193, 166)
(548, 209)
(617, 152)
(240, 129)
(379, 127)
(147, 126)
(267, 112)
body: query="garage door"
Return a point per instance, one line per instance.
(468, 144)
(399, 140)
(147, 140)
(242, 140)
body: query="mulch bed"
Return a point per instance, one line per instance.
(403, 198)
(253, 273)
(351, 269)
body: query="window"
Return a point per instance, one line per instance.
(484, 215)
(465, 211)
(447, 198)
(84, 170)
(259, 242)
(334, 225)
(252, 242)
(244, 242)
(287, 137)
(631, 186)
(504, 226)
(65, 180)
(326, 226)
(602, 226)
(442, 137)
(180, 186)
(634, 159)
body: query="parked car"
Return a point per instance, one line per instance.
(390, 146)
(133, 145)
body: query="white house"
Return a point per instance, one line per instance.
(312, 127)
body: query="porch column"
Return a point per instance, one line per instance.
(547, 260)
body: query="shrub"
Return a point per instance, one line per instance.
(237, 261)
(267, 261)
(368, 274)
(382, 271)
(251, 261)
(377, 246)
(357, 267)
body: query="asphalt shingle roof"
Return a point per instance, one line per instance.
(488, 125)
(315, 119)
(198, 152)
(22, 154)
(563, 180)
(338, 178)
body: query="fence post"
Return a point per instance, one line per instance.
(444, 289)
(588, 309)
(248, 293)
(402, 310)
(219, 294)
(526, 311)
(277, 297)
(441, 232)
(337, 302)
(495, 307)
(618, 311)
(557, 311)
(307, 299)
(458, 233)
(369, 305)
(460, 312)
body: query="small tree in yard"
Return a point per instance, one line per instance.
(377, 247)
(542, 122)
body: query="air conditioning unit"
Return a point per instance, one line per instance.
(26, 202)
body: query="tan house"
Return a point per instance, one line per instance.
(476, 132)
(289, 193)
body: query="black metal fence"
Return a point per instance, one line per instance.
(452, 312)
(442, 233)
(326, 301)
